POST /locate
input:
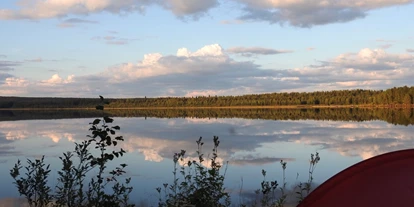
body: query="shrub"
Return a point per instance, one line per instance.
(70, 190)
(200, 185)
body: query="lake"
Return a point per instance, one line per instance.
(251, 140)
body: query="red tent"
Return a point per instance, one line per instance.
(385, 180)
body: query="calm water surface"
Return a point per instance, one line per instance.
(249, 145)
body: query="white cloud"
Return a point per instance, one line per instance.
(16, 82)
(56, 79)
(39, 9)
(369, 68)
(43, 9)
(308, 13)
(211, 71)
(208, 59)
(14, 86)
(299, 13)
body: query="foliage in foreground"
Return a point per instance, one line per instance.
(202, 183)
(83, 163)
(201, 186)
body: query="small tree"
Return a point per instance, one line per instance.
(408, 100)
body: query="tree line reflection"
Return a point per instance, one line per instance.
(399, 116)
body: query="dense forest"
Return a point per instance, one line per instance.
(400, 116)
(393, 97)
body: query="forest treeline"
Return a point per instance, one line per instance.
(400, 116)
(393, 97)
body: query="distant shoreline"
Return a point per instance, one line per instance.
(218, 107)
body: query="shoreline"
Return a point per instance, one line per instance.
(217, 107)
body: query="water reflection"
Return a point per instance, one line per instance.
(401, 116)
(249, 145)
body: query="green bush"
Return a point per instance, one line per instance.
(200, 186)
(70, 190)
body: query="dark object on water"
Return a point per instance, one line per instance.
(385, 180)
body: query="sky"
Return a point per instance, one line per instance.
(156, 48)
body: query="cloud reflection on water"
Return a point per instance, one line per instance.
(248, 145)
(158, 139)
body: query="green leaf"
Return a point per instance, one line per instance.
(108, 119)
(95, 122)
(116, 127)
(108, 141)
(111, 157)
(93, 162)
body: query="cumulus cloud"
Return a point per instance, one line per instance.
(210, 59)
(410, 50)
(211, 70)
(369, 68)
(15, 82)
(54, 86)
(196, 8)
(313, 12)
(56, 79)
(251, 51)
(13, 86)
(43, 9)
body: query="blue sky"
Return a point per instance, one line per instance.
(136, 48)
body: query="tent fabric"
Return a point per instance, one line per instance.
(385, 180)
